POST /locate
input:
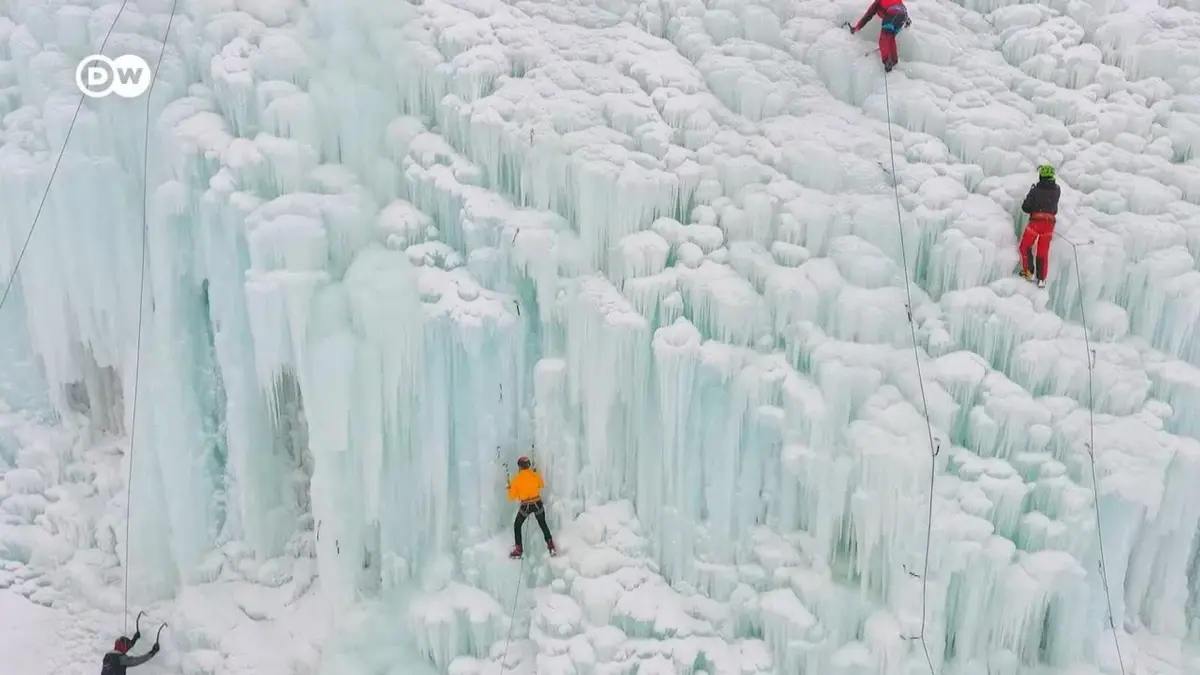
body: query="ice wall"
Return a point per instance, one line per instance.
(391, 247)
(21, 383)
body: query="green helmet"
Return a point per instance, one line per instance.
(1046, 172)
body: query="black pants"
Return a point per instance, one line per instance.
(1036, 263)
(537, 510)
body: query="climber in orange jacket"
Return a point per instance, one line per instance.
(526, 488)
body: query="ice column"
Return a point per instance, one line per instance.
(80, 274)
(1158, 568)
(256, 462)
(465, 420)
(814, 475)
(182, 392)
(670, 481)
(257, 508)
(608, 369)
(360, 375)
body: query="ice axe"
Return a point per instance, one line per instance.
(502, 464)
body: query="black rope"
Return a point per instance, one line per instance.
(137, 357)
(934, 448)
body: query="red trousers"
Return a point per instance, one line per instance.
(1035, 244)
(887, 48)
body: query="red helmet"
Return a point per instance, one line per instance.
(122, 644)
(524, 462)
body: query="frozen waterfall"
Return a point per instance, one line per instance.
(394, 245)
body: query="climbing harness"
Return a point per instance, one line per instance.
(897, 19)
(531, 508)
(137, 359)
(934, 448)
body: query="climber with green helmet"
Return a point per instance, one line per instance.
(1041, 203)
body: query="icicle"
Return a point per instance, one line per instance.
(608, 365)
(668, 481)
(725, 306)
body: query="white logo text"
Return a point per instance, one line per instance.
(126, 76)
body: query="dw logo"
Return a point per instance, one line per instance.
(126, 76)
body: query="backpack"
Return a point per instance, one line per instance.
(896, 19)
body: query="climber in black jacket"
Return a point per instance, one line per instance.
(1041, 203)
(118, 660)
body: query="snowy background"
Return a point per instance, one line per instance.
(390, 246)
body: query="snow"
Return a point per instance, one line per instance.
(27, 626)
(390, 248)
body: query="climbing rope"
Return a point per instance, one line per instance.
(516, 596)
(1091, 445)
(1091, 449)
(513, 612)
(137, 358)
(934, 448)
(37, 216)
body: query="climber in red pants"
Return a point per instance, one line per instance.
(894, 16)
(1042, 206)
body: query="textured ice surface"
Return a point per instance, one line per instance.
(393, 245)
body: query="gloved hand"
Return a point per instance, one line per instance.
(853, 30)
(137, 636)
(154, 649)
